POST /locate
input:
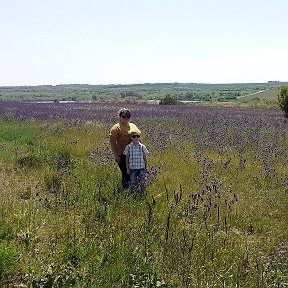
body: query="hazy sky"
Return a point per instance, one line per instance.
(132, 41)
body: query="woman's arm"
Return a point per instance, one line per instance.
(127, 164)
(114, 149)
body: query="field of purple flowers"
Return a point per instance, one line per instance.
(214, 213)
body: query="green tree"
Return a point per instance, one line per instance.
(283, 99)
(169, 100)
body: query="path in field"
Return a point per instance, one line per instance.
(270, 93)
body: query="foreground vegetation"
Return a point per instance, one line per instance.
(214, 213)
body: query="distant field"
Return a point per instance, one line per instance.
(142, 92)
(270, 94)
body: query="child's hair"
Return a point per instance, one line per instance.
(131, 132)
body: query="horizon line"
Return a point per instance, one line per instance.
(145, 83)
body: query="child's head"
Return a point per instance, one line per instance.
(135, 135)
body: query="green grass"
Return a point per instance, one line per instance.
(65, 223)
(15, 134)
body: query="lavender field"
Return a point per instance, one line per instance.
(215, 212)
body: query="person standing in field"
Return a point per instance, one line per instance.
(136, 161)
(119, 139)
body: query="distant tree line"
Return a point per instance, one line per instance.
(134, 92)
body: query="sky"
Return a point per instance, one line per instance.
(54, 42)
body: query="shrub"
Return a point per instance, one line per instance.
(168, 100)
(283, 99)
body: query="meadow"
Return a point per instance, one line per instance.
(214, 214)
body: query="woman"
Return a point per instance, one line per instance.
(119, 139)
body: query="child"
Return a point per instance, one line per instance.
(136, 162)
(119, 138)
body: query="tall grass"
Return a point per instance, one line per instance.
(210, 218)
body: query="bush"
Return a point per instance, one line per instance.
(283, 99)
(168, 100)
